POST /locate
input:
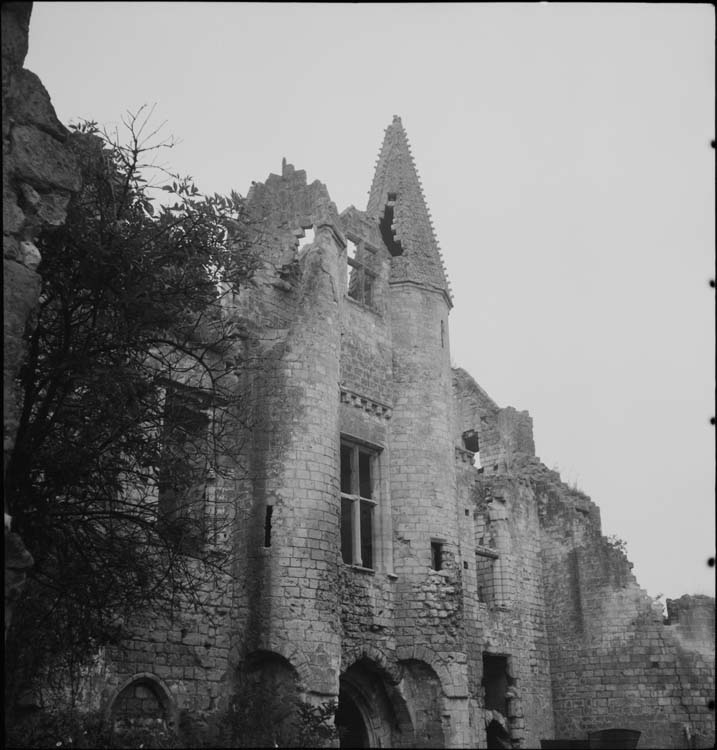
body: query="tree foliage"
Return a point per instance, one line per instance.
(130, 315)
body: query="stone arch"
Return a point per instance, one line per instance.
(422, 690)
(143, 698)
(367, 688)
(294, 657)
(268, 669)
(264, 702)
(389, 668)
(452, 687)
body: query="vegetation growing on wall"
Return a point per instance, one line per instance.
(130, 307)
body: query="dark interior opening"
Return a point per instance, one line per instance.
(437, 555)
(387, 233)
(470, 441)
(350, 724)
(495, 682)
(496, 736)
(267, 525)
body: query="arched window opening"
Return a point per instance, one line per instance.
(141, 705)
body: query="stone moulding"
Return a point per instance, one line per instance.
(369, 405)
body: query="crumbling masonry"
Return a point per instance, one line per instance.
(397, 544)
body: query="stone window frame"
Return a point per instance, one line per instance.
(202, 403)
(359, 501)
(487, 553)
(364, 273)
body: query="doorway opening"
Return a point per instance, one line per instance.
(350, 723)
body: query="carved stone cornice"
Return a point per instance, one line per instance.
(369, 405)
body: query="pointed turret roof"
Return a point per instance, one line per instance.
(396, 197)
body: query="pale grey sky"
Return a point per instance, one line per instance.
(565, 155)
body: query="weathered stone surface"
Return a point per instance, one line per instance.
(42, 161)
(12, 215)
(15, 26)
(30, 104)
(51, 210)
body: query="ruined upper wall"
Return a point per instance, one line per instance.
(692, 619)
(504, 435)
(613, 660)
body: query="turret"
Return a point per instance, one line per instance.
(422, 457)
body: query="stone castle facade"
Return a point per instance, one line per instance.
(396, 543)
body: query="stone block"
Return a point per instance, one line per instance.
(42, 161)
(30, 104)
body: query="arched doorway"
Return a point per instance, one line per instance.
(350, 722)
(371, 712)
(143, 701)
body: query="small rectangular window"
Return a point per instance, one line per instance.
(485, 573)
(437, 555)
(358, 502)
(496, 682)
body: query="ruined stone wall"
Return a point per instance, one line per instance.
(505, 435)
(613, 661)
(692, 621)
(503, 589)
(513, 620)
(39, 176)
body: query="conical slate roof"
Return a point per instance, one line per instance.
(417, 257)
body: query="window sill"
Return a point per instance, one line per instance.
(361, 569)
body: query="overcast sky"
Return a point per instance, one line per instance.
(565, 156)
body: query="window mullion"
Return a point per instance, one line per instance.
(355, 508)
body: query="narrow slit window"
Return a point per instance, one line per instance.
(267, 525)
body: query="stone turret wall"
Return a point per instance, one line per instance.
(39, 176)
